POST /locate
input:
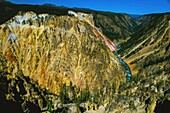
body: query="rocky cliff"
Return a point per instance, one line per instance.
(150, 44)
(62, 54)
(51, 61)
(115, 25)
(148, 53)
(118, 26)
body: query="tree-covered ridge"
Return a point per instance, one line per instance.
(113, 25)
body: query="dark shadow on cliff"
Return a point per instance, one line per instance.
(163, 107)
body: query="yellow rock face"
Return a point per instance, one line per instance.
(59, 50)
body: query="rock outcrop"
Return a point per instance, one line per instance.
(61, 54)
(148, 53)
(52, 63)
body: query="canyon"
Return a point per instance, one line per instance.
(67, 60)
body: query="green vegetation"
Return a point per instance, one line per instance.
(54, 71)
(117, 26)
(8, 10)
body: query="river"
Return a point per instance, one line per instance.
(125, 65)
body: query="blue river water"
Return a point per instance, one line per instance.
(124, 64)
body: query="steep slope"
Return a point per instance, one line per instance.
(114, 25)
(19, 93)
(150, 25)
(9, 10)
(65, 64)
(148, 55)
(118, 26)
(65, 42)
(151, 41)
(60, 52)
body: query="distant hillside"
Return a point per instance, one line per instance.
(57, 62)
(113, 25)
(8, 10)
(148, 55)
(149, 46)
(150, 26)
(135, 15)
